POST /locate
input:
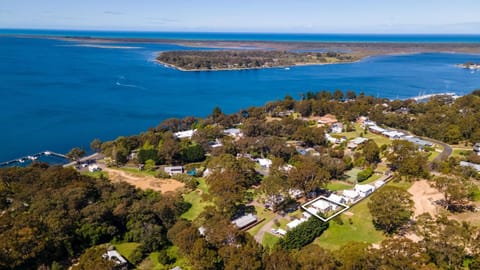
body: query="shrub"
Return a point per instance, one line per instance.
(303, 234)
(365, 174)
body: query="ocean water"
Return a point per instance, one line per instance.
(55, 94)
(303, 37)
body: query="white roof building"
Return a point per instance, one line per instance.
(264, 162)
(322, 205)
(113, 255)
(244, 221)
(337, 199)
(94, 168)
(351, 195)
(281, 232)
(379, 183)
(393, 134)
(376, 129)
(233, 132)
(469, 164)
(295, 223)
(364, 190)
(184, 134)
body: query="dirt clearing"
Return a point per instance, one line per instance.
(424, 197)
(144, 182)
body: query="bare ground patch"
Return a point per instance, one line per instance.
(144, 182)
(424, 197)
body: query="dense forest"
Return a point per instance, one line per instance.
(53, 217)
(242, 59)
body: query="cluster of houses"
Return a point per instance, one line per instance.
(334, 203)
(393, 134)
(187, 134)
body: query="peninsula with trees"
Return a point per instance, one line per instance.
(248, 59)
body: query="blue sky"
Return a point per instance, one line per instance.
(303, 16)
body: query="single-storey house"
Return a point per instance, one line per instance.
(281, 232)
(295, 223)
(471, 165)
(379, 183)
(264, 162)
(421, 143)
(364, 190)
(295, 193)
(354, 143)
(336, 128)
(376, 129)
(113, 255)
(94, 168)
(322, 205)
(244, 221)
(328, 119)
(337, 199)
(351, 195)
(306, 215)
(171, 170)
(393, 134)
(233, 132)
(184, 134)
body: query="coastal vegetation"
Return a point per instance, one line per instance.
(263, 161)
(247, 59)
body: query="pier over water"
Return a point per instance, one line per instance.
(46, 156)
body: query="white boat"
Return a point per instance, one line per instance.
(287, 68)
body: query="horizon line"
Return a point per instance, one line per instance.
(238, 32)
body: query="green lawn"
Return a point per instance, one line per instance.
(432, 155)
(372, 178)
(126, 249)
(459, 152)
(352, 175)
(136, 171)
(379, 139)
(151, 262)
(269, 240)
(338, 185)
(195, 198)
(361, 229)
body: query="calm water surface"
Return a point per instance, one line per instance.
(56, 95)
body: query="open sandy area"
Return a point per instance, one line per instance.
(144, 182)
(424, 197)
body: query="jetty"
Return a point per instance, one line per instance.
(32, 158)
(421, 97)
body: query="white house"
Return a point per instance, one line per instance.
(264, 162)
(393, 134)
(94, 168)
(113, 255)
(322, 205)
(471, 165)
(379, 183)
(184, 134)
(364, 190)
(351, 195)
(306, 215)
(337, 199)
(354, 143)
(295, 223)
(376, 129)
(295, 193)
(337, 128)
(233, 132)
(171, 170)
(281, 232)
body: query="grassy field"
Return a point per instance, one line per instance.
(195, 198)
(97, 174)
(352, 175)
(338, 185)
(361, 229)
(379, 139)
(136, 171)
(269, 240)
(152, 262)
(126, 249)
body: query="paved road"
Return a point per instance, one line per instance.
(95, 156)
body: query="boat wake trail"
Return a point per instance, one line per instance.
(128, 85)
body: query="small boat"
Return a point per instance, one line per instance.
(21, 160)
(47, 153)
(287, 68)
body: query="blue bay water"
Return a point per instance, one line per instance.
(55, 95)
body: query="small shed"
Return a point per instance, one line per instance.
(171, 170)
(294, 223)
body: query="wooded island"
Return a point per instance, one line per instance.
(247, 59)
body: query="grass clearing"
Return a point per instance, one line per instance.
(269, 240)
(152, 262)
(196, 199)
(126, 249)
(361, 229)
(137, 172)
(352, 175)
(98, 174)
(338, 185)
